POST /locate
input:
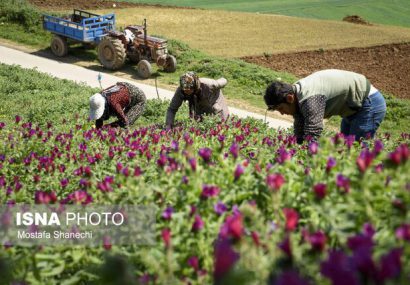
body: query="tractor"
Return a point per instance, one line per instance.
(113, 46)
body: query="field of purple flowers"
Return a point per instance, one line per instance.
(237, 203)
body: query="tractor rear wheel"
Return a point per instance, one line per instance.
(59, 46)
(171, 64)
(111, 53)
(144, 69)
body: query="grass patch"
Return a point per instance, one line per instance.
(377, 11)
(40, 98)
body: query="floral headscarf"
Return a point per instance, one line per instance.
(189, 81)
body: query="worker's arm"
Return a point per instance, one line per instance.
(120, 113)
(174, 105)
(313, 111)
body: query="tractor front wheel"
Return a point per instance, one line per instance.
(59, 46)
(171, 64)
(144, 69)
(111, 53)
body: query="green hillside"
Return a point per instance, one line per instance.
(393, 12)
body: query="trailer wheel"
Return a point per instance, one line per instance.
(111, 53)
(59, 46)
(144, 69)
(171, 64)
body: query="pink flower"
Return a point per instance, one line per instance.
(107, 243)
(42, 197)
(339, 269)
(17, 119)
(364, 160)
(193, 261)
(313, 147)
(233, 227)
(285, 246)
(64, 182)
(292, 218)
(275, 181)
(255, 238)
(192, 163)
(403, 232)
(166, 237)
(320, 190)
(283, 155)
(400, 154)
(290, 278)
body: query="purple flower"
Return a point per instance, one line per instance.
(285, 246)
(343, 182)
(185, 179)
(131, 154)
(378, 147)
(238, 172)
(320, 190)
(192, 163)
(174, 145)
(220, 208)
(234, 150)
(221, 138)
(283, 155)
(64, 182)
(198, 224)
(209, 191)
(313, 147)
(368, 230)
(339, 269)
(2, 125)
(390, 264)
(205, 153)
(162, 160)
(289, 278)
(331, 162)
(317, 240)
(167, 214)
(349, 140)
(78, 197)
(224, 258)
(17, 119)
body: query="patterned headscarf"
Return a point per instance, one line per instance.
(189, 81)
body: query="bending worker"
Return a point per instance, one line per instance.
(123, 100)
(327, 93)
(204, 96)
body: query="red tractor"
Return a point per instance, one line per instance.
(137, 46)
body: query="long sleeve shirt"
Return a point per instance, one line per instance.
(209, 100)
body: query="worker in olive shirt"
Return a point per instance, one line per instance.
(123, 100)
(327, 93)
(204, 96)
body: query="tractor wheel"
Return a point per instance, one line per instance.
(144, 69)
(111, 53)
(171, 64)
(59, 46)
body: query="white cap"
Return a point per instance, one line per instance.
(97, 106)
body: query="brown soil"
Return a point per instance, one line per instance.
(355, 19)
(51, 5)
(386, 66)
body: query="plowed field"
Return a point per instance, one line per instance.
(386, 66)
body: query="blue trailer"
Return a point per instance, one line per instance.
(81, 27)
